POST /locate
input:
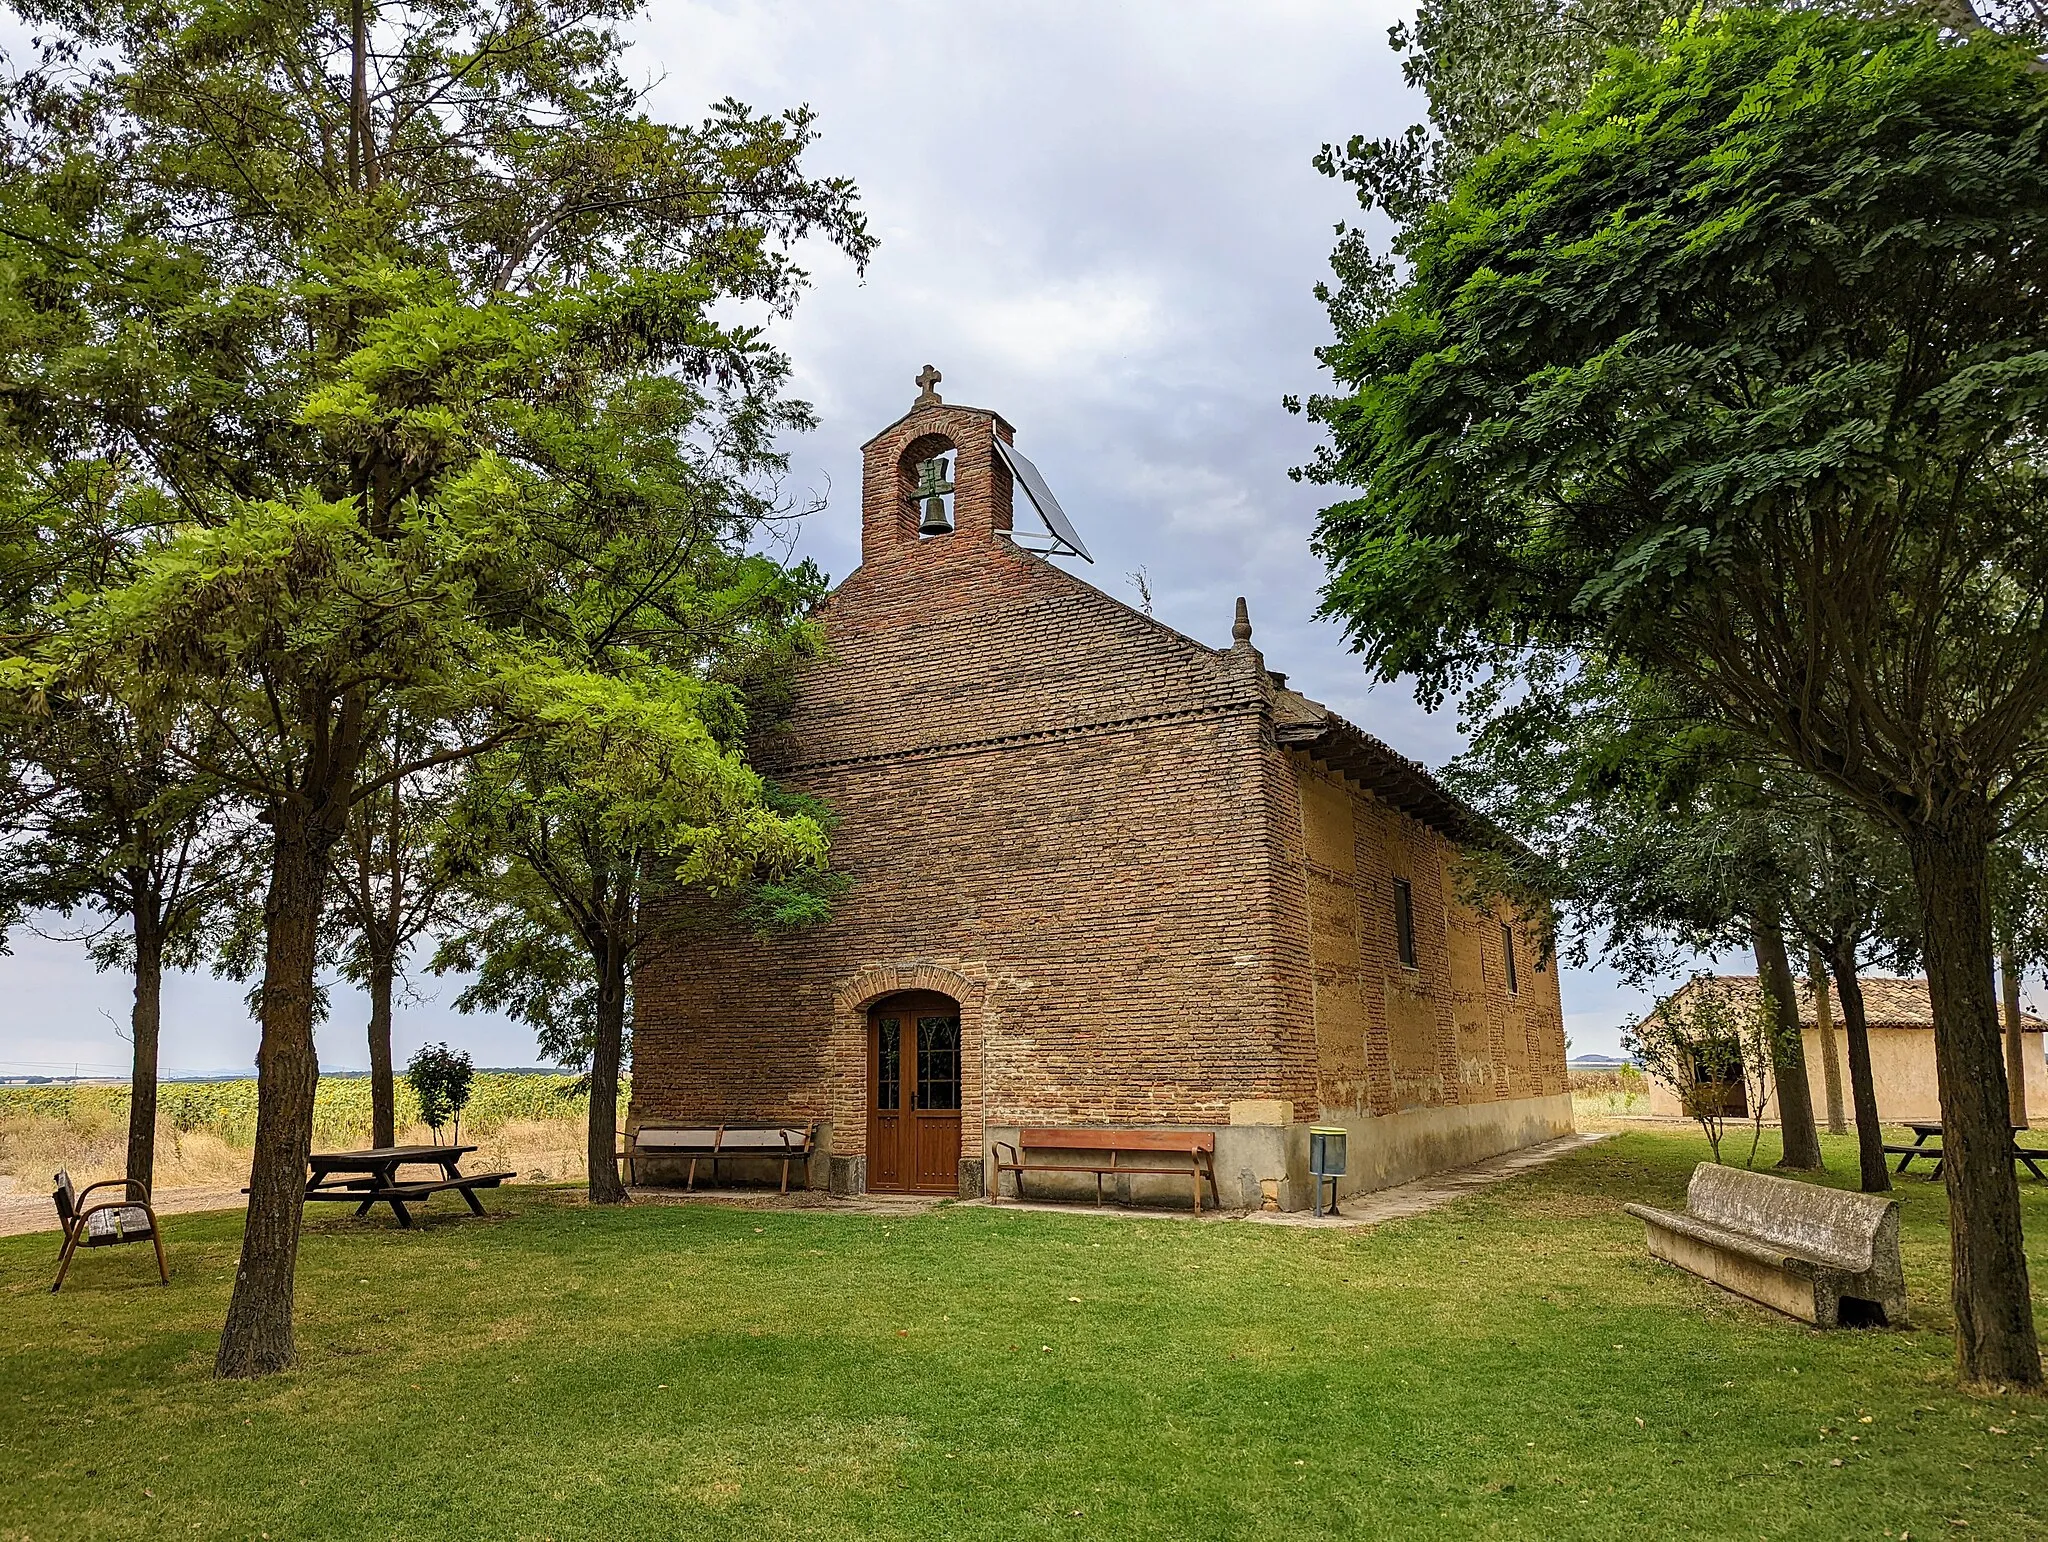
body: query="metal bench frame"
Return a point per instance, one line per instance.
(76, 1215)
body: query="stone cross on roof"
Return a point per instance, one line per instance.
(926, 379)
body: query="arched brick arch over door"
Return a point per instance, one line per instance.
(850, 1003)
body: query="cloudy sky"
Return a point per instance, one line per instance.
(1099, 220)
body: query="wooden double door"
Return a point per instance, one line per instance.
(914, 1093)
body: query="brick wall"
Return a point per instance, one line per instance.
(1054, 808)
(1447, 1031)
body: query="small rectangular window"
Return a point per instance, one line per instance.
(1507, 948)
(1404, 922)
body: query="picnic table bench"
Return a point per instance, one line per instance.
(1827, 1256)
(366, 1178)
(1925, 1130)
(715, 1143)
(1198, 1146)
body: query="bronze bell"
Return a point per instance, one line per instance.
(932, 487)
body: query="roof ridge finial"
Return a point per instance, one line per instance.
(1241, 628)
(927, 397)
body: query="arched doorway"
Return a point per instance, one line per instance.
(914, 1093)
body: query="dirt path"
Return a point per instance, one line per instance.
(32, 1212)
(25, 1212)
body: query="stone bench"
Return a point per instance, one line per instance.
(1827, 1256)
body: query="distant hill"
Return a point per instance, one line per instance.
(1596, 1063)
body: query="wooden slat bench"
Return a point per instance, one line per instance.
(715, 1143)
(1198, 1146)
(1823, 1255)
(369, 1192)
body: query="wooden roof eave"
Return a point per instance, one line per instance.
(1396, 781)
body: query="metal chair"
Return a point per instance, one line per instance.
(106, 1224)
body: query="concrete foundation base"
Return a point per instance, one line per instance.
(971, 1178)
(1388, 1149)
(1261, 1158)
(849, 1176)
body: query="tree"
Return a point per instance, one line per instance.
(389, 891)
(386, 305)
(564, 836)
(114, 822)
(1643, 830)
(98, 810)
(1705, 1045)
(2019, 907)
(1736, 373)
(1494, 69)
(1654, 837)
(440, 1079)
(1851, 901)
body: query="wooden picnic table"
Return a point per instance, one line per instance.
(370, 1176)
(1925, 1130)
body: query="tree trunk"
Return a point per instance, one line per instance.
(1877, 1178)
(1824, 1028)
(1788, 1068)
(383, 1098)
(605, 1185)
(1995, 1341)
(257, 1338)
(2015, 1040)
(145, 1021)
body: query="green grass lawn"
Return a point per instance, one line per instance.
(1511, 1366)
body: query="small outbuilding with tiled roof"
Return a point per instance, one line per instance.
(1900, 1017)
(1103, 876)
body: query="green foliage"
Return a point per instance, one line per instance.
(1492, 70)
(440, 1079)
(1657, 837)
(1489, 70)
(114, 825)
(1747, 337)
(418, 390)
(793, 896)
(561, 835)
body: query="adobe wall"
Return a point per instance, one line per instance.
(1901, 1073)
(1431, 1066)
(1053, 808)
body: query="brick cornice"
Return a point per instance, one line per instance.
(1250, 706)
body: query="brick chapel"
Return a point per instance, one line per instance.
(1103, 875)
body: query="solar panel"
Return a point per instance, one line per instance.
(1042, 499)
